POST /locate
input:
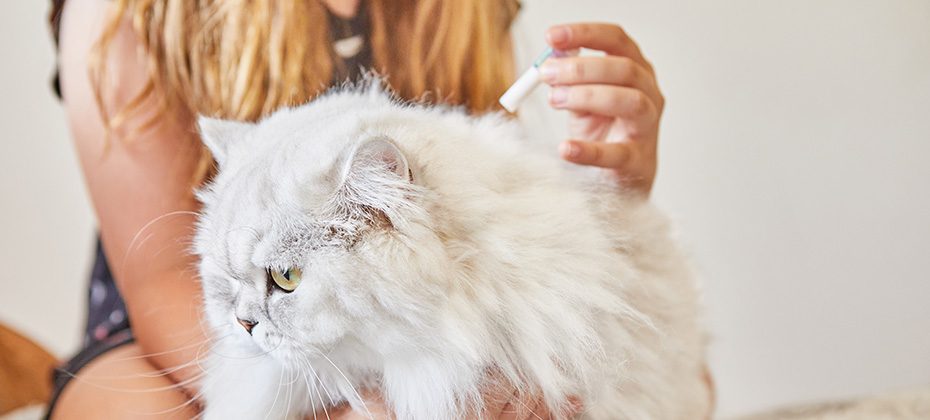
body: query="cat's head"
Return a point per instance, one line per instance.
(315, 226)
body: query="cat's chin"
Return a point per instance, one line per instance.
(283, 350)
(270, 343)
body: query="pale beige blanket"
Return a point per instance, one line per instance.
(910, 404)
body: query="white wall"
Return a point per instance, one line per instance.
(46, 229)
(792, 153)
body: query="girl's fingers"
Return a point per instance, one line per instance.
(614, 99)
(605, 37)
(607, 100)
(603, 155)
(631, 162)
(518, 409)
(609, 70)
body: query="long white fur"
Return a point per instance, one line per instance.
(485, 256)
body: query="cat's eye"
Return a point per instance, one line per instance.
(287, 280)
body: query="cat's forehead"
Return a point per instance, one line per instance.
(292, 244)
(281, 237)
(292, 168)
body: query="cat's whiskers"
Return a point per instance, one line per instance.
(276, 394)
(255, 235)
(89, 380)
(202, 351)
(262, 353)
(528, 409)
(171, 370)
(320, 383)
(287, 396)
(190, 401)
(309, 387)
(158, 373)
(147, 355)
(322, 404)
(177, 408)
(302, 362)
(306, 363)
(135, 243)
(360, 399)
(281, 382)
(183, 385)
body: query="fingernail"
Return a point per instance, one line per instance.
(569, 150)
(558, 95)
(558, 35)
(548, 72)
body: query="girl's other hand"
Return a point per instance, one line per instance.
(501, 403)
(614, 102)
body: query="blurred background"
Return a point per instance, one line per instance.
(793, 155)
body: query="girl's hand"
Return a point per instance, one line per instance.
(614, 102)
(500, 404)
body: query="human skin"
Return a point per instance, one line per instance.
(614, 101)
(133, 184)
(140, 186)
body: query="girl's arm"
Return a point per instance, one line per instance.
(139, 182)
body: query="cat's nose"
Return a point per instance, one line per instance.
(247, 324)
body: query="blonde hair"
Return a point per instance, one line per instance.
(243, 59)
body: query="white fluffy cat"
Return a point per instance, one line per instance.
(356, 241)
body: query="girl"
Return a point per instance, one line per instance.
(156, 64)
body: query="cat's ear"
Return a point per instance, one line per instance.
(377, 182)
(218, 135)
(378, 154)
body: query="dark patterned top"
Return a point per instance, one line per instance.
(106, 311)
